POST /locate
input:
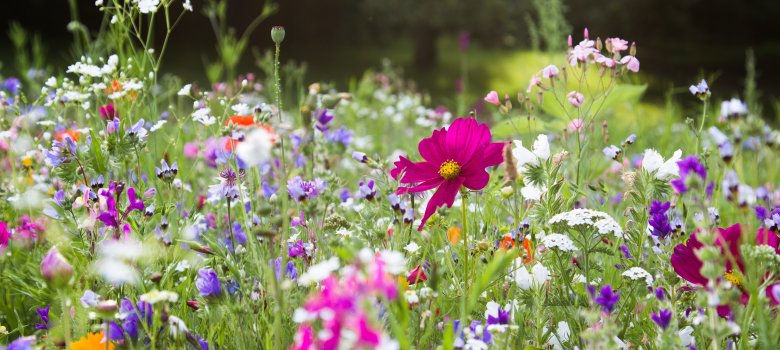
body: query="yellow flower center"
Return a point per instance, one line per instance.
(733, 278)
(449, 170)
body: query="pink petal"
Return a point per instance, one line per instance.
(464, 138)
(434, 148)
(492, 97)
(427, 185)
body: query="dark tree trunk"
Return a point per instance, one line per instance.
(425, 55)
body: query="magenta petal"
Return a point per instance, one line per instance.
(444, 195)
(411, 172)
(729, 238)
(427, 185)
(493, 154)
(465, 137)
(476, 180)
(434, 149)
(687, 264)
(766, 237)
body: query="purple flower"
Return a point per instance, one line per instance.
(464, 38)
(659, 221)
(366, 190)
(24, 343)
(360, 157)
(662, 318)
(700, 90)
(137, 131)
(626, 252)
(323, 118)
(44, 314)
(344, 195)
(607, 299)
(291, 271)
(167, 173)
(342, 135)
(301, 190)
(55, 268)
(660, 294)
(208, 283)
(89, 299)
(688, 166)
(12, 85)
(295, 249)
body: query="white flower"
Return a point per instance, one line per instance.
(525, 157)
(411, 297)
(395, 262)
(148, 6)
(412, 247)
(637, 273)
(319, 272)
(686, 336)
(241, 109)
(185, 90)
(532, 193)
(177, 326)
(746, 196)
(733, 107)
(538, 275)
(157, 125)
(560, 336)
(588, 217)
(256, 147)
(557, 240)
(156, 296)
(653, 162)
(187, 5)
(202, 116)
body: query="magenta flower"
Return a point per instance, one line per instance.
(454, 157)
(5, 235)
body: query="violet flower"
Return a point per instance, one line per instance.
(662, 318)
(208, 283)
(659, 220)
(607, 298)
(44, 314)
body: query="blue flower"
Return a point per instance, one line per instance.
(208, 283)
(607, 298)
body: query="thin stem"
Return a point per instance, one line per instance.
(66, 320)
(230, 228)
(463, 232)
(701, 125)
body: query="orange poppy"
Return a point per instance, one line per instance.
(92, 341)
(507, 243)
(241, 120)
(453, 235)
(528, 246)
(60, 135)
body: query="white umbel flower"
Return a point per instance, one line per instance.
(148, 6)
(588, 217)
(560, 242)
(638, 273)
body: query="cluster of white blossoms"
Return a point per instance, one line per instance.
(637, 273)
(85, 67)
(591, 218)
(559, 241)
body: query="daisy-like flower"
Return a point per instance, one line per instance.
(664, 170)
(525, 158)
(228, 186)
(454, 157)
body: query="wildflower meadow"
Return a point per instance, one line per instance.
(264, 210)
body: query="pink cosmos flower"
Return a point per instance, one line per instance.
(631, 63)
(5, 235)
(575, 98)
(492, 97)
(616, 45)
(454, 157)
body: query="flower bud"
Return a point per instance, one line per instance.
(559, 157)
(277, 34)
(55, 268)
(632, 50)
(507, 192)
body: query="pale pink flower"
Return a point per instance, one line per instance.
(575, 98)
(550, 71)
(575, 125)
(605, 61)
(535, 81)
(616, 45)
(582, 52)
(631, 63)
(492, 97)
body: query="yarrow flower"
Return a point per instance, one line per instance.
(559, 241)
(638, 273)
(580, 217)
(454, 157)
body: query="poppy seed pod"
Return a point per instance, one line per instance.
(277, 34)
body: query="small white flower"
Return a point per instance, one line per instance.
(187, 5)
(559, 241)
(202, 116)
(319, 272)
(412, 247)
(148, 6)
(157, 125)
(532, 193)
(536, 277)
(524, 157)
(588, 217)
(241, 109)
(637, 273)
(156, 296)
(653, 162)
(256, 147)
(185, 90)
(177, 327)
(395, 262)
(686, 336)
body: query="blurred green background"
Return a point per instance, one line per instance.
(678, 40)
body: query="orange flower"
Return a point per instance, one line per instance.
(60, 135)
(528, 246)
(453, 235)
(507, 243)
(115, 87)
(241, 120)
(92, 341)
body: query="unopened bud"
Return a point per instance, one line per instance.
(629, 177)
(599, 45)
(55, 268)
(277, 34)
(559, 157)
(507, 192)
(585, 33)
(509, 163)
(632, 50)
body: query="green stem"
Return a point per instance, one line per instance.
(701, 125)
(66, 320)
(463, 233)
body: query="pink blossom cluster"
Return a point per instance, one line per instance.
(341, 315)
